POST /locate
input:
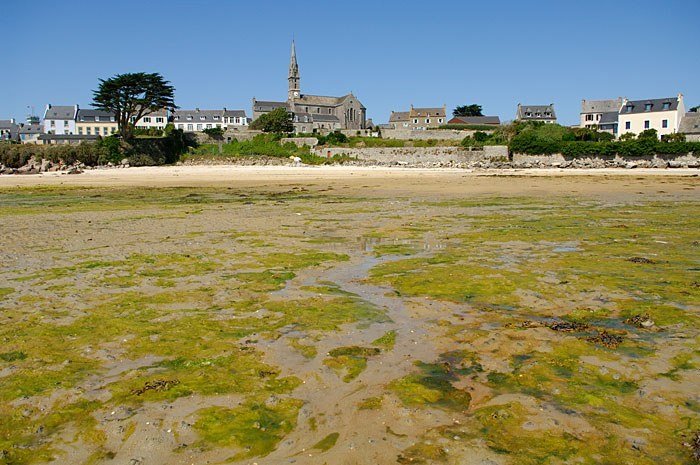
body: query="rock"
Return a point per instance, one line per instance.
(630, 165)
(45, 165)
(125, 161)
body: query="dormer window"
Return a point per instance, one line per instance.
(647, 107)
(189, 118)
(202, 118)
(628, 109)
(667, 105)
(216, 117)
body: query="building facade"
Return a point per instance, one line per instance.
(419, 119)
(60, 119)
(198, 120)
(9, 129)
(91, 122)
(690, 126)
(662, 114)
(29, 133)
(156, 120)
(314, 113)
(595, 111)
(542, 113)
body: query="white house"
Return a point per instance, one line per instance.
(156, 120)
(198, 120)
(544, 113)
(597, 113)
(60, 119)
(662, 114)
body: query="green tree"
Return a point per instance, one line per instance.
(648, 134)
(468, 110)
(278, 120)
(628, 136)
(695, 109)
(214, 133)
(132, 96)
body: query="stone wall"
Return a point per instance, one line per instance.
(423, 156)
(560, 161)
(439, 134)
(300, 141)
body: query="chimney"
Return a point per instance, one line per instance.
(197, 110)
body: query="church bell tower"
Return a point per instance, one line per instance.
(294, 91)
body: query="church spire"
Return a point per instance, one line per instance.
(294, 90)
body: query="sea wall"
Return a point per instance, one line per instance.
(442, 156)
(560, 161)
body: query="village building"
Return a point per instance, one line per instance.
(477, 120)
(314, 113)
(662, 114)
(542, 113)
(155, 120)
(690, 126)
(418, 119)
(90, 122)
(198, 120)
(600, 114)
(60, 119)
(29, 133)
(8, 129)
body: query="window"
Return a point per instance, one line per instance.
(65, 123)
(628, 125)
(113, 130)
(427, 121)
(216, 117)
(146, 119)
(664, 123)
(218, 125)
(209, 126)
(202, 118)
(647, 107)
(646, 124)
(87, 130)
(190, 127)
(80, 131)
(53, 123)
(159, 119)
(189, 118)
(415, 121)
(104, 130)
(628, 108)
(199, 127)
(440, 120)
(667, 106)
(589, 117)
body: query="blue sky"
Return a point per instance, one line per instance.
(391, 54)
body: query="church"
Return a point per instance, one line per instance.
(315, 113)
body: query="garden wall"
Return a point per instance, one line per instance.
(418, 155)
(647, 161)
(439, 134)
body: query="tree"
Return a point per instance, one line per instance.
(468, 110)
(214, 133)
(278, 120)
(649, 134)
(695, 109)
(132, 96)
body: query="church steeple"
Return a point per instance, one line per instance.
(294, 90)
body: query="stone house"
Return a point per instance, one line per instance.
(662, 114)
(418, 119)
(60, 119)
(690, 126)
(595, 113)
(90, 122)
(544, 113)
(314, 113)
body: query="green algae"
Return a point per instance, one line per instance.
(308, 351)
(255, 427)
(386, 341)
(350, 361)
(5, 291)
(371, 403)
(326, 443)
(433, 385)
(423, 453)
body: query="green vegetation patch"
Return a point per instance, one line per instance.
(371, 403)
(386, 341)
(255, 427)
(326, 443)
(350, 360)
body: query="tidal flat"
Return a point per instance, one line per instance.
(355, 322)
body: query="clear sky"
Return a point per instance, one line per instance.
(391, 54)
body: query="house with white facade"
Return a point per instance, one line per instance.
(198, 120)
(155, 120)
(60, 119)
(92, 122)
(600, 114)
(542, 113)
(662, 114)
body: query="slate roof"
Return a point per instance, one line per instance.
(657, 104)
(397, 116)
(268, 105)
(609, 117)
(34, 128)
(495, 120)
(422, 112)
(60, 112)
(690, 124)
(7, 124)
(536, 112)
(67, 137)
(601, 106)
(198, 116)
(324, 118)
(90, 115)
(235, 113)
